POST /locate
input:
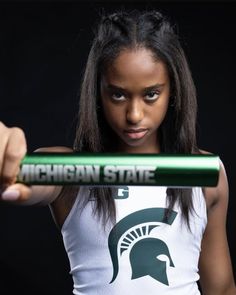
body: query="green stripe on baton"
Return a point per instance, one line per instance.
(175, 170)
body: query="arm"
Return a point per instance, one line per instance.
(12, 150)
(216, 276)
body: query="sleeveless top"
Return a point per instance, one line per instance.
(141, 253)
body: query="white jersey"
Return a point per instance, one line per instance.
(142, 253)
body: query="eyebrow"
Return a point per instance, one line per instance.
(149, 88)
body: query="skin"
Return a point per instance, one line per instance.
(136, 100)
(215, 263)
(133, 71)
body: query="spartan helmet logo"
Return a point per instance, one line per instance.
(146, 252)
(148, 263)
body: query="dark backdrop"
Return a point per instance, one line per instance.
(43, 51)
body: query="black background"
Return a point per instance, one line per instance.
(44, 46)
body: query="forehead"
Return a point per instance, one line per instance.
(136, 65)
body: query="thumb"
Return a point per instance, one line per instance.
(16, 193)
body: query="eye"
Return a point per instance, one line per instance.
(152, 95)
(117, 96)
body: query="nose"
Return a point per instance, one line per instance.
(135, 112)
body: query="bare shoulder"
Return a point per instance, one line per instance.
(216, 275)
(54, 149)
(217, 194)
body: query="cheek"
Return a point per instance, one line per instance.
(164, 112)
(112, 113)
(159, 112)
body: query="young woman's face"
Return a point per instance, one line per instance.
(135, 93)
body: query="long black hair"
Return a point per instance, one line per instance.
(153, 31)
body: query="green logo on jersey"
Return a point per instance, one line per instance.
(122, 192)
(133, 232)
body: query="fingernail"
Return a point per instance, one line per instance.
(10, 195)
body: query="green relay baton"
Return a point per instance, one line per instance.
(173, 170)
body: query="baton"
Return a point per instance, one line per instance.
(173, 170)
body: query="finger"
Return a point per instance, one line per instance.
(3, 142)
(14, 153)
(16, 192)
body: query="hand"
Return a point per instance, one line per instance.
(12, 150)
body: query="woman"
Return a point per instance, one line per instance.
(137, 97)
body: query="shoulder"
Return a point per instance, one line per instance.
(219, 194)
(216, 275)
(54, 149)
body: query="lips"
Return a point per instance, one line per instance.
(136, 133)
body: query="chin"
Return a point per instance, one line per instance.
(138, 144)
